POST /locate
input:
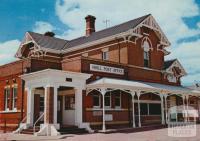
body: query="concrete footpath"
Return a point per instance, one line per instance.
(153, 135)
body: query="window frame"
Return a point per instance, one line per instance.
(105, 55)
(7, 99)
(146, 58)
(14, 97)
(69, 102)
(110, 101)
(118, 107)
(96, 95)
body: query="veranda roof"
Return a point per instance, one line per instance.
(139, 85)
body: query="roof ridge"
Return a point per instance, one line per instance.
(113, 26)
(171, 60)
(47, 36)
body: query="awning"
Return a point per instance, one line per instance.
(139, 85)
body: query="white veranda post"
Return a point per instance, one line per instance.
(78, 106)
(133, 108)
(55, 104)
(184, 113)
(162, 109)
(103, 92)
(139, 118)
(30, 106)
(166, 111)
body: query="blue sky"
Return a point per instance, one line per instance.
(180, 21)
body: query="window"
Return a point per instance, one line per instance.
(105, 55)
(118, 100)
(69, 102)
(154, 109)
(96, 101)
(14, 98)
(143, 109)
(146, 58)
(108, 100)
(7, 98)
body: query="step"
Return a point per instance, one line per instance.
(26, 132)
(73, 131)
(30, 130)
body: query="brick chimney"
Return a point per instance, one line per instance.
(90, 24)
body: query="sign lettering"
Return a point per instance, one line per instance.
(107, 69)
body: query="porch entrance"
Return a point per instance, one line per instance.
(66, 106)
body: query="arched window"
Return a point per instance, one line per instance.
(146, 54)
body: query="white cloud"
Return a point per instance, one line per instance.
(42, 27)
(168, 13)
(8, 49)
(198, 25)
(188, 54)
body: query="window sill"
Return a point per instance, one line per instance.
(9, 111)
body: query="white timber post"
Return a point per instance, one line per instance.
(133, 108)
(30, 106)
(103, 92)
(166, 111)
(184, 113)
(78, 106)
(139, 118)
(55, 112)
(162, 109)
(187, 115)
(45, 104)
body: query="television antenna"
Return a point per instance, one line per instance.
(106, 22)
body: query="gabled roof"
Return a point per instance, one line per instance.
(56, 45)
(168, 63)
(106, 32)
(48, 42)
(61, 44)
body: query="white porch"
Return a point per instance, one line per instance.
(50, 80)
(137, 88)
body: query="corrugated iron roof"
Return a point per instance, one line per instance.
(168, 63)
(61, 44)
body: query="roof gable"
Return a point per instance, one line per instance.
(130, 28)
(174, 66)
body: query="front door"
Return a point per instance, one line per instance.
(69, 110)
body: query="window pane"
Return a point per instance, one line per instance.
(143, 109)
(117, 100)
(107, 100)
(14, 102)
(146, 59)
(105, 55)
(155, 109)
(96, 100)
(69, 102)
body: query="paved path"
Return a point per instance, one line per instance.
(154, 135)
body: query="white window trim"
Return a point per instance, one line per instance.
(148, 58)
(108, 95)
(97, 107)
(105, 55)
(6, 108)
(120, 99)
(13, 99)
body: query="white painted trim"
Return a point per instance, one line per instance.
(97, 107)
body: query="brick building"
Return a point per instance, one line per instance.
(116, 77)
